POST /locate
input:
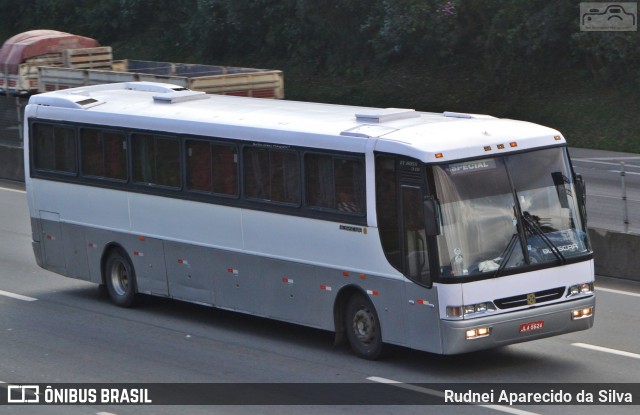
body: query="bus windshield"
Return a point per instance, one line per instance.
(506, 214)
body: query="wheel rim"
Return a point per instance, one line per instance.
(364, 326)
(119, 278)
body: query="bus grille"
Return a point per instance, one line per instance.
(526, 299)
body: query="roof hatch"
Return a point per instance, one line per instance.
(180, 96)
(452, 114)
(386, 114)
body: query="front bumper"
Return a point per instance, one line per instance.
(505, 328)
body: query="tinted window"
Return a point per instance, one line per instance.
(104, 154)
(334, 183)
(55, 148)
(272, 175)
(212, 168)
(156, 160)
(387, 208)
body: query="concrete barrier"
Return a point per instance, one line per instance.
(11, 163)
(616, 254)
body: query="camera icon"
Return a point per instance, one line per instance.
(608, 17)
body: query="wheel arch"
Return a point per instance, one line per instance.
(108, 249)
(339, 306)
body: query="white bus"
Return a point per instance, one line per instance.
(446, 233)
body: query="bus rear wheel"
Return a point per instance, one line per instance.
(120, 279)
(362, 327)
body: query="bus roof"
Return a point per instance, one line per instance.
(431, 137)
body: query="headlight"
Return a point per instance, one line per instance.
(478, 333)
(472, 310)
(584, 288)
(582, 313)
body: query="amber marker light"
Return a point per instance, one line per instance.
(500, 146)
(513, 144)
(439, 155)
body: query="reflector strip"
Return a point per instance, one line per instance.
(92, 245)
(287, 280)
(325, 288)
(51, 237)
(372, 292)
(423, 302)
(183, 262)
(232, 271)
(136, 253)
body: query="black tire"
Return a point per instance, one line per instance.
(120, 279)
(363, 328)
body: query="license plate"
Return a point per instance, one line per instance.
(532, 326)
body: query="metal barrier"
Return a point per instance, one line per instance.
(11, 163)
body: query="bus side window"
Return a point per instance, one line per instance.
(335, 183)
(212, 168)
(103, 154)
(272, 175)
(156, 160)
(54, 148)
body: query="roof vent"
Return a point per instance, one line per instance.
(368, 131)
(154, 87)
(386, 114)
(180, 96)
(464, 115)
(65, 101)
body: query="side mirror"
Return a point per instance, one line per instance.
(431, 217)
(581, 193)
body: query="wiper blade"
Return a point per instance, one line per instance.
(533, 226)
(506, 255)
(521, 226)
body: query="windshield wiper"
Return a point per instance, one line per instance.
(521, 225)
(506, 254)
(533, 226)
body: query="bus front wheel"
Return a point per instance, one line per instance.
(362, 327)
(120, 279)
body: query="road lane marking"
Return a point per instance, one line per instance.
(433, 392)
(609, 290)
(607, 350)
(17, 296)
(12, 190)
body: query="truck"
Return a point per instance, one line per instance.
(22, 54)
(46, 60)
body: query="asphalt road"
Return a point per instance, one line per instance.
(62, 330)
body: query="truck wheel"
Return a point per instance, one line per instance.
(120, 279)
(363, 327)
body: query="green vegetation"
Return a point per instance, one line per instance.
(517, 59)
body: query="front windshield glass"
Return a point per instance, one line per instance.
(501, 215)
